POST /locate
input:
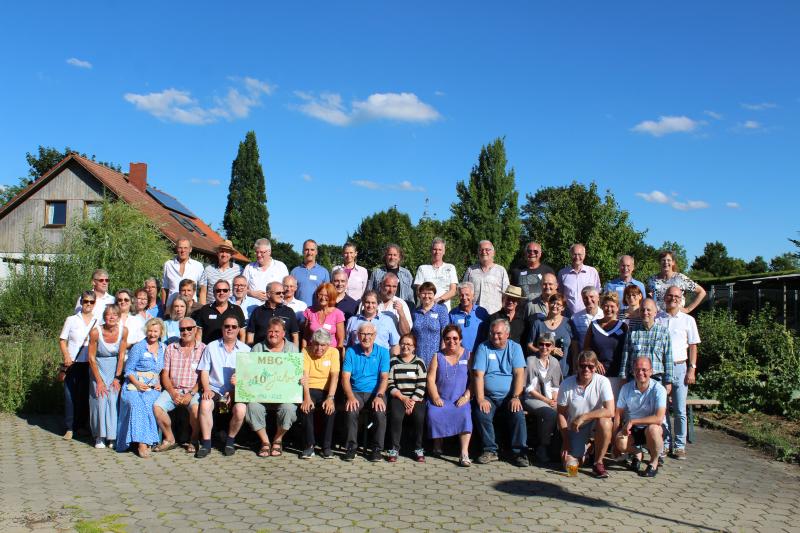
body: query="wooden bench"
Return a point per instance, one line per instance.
(691, 403)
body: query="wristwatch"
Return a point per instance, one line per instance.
(692, 366)
(379, 395)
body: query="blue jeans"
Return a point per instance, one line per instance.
(516, 425)
(679, 392)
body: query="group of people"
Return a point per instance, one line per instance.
(591, 365)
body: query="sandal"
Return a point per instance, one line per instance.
(464, 461)
(190, 448)
(264, 451)
(144, 453)
(165, 446)
(277, 449)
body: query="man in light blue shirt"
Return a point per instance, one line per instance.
(641, 407)
(499, 370)
(470, 317)
(309, 275)
(618, 285)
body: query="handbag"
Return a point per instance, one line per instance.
(61, 375)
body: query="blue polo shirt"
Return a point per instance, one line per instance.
(498, 366)
(308, 279)
(618, 286)
(365, 370)
(641, 404)
(472, 325)
(386, 333)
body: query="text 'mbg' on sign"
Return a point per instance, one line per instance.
(269, 377)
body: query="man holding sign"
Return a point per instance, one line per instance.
(217, 369)
(365, 376)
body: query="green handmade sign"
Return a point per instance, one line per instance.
(269, 377)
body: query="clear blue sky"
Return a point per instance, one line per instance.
(687, 111)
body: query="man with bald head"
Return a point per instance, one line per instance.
(529, 277)
(651, 340)
(273, 307)
(626, 267)
(574, 278)
(537, 308)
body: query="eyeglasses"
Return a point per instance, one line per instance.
(237, 286)
(279, 293)
(545, 344)
(230, 326)
(188, 328)
(222, 290)
(586, 367)
(123, 300)
(451, 339)
(87, 302)
(361, 334)
(534, 252)
(101, 280)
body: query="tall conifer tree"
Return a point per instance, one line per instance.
(246, 216)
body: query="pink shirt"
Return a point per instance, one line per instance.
(329, 324)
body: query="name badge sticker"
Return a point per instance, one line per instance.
(460, 321)
(411, 374)
(212, 317)
(492, 356)
(312, 277)
(462, 362)
(523, 273)
(327, 327)
(434, 315)
(326, 362)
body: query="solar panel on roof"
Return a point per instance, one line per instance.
(170, 202)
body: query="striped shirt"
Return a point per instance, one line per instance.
(654, 343)
(409, 378)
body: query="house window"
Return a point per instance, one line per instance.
(92, 210)
(56, 213)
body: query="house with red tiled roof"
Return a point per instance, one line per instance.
(76, 186)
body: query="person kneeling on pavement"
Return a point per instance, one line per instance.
(585, 408)
(217, 369)
(641, 408)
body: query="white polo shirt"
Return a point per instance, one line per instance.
(442, 277)
(258, 279)
(682, 331)
(581, 400)
(172, 277)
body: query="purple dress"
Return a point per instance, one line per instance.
(451, 382)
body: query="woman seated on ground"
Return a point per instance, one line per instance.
(141, 389)
(542, 378)
(321, 376)
(406, 392)
(606, 338)
(559, 326)
(106, 344)
(429, 319)
(449, 411)
(128, 318)
(669, 276)
(177, 311)
(632, 296)
(324, 315)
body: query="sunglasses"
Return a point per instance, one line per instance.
(123, 300)
(188, 328)
(87, 301)
(230, 326)
(586, 367)
(279, 293)
(451, 339)
(222, 290)
(101, 280)
(545, 344)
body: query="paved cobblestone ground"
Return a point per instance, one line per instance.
(49, 484)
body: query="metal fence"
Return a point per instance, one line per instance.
(744, 300)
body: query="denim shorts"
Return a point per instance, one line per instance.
(579, 439)
(165, 402)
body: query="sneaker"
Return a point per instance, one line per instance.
(68, 435)
(229, 450)
(521, 461)
(349, 455)
(649, 471)
(202, 452)
(327, 453)
(308, 453)
(599, 470)
(375, 456)
(679, 454)
(486, 458)
(419, 455)
(112, 444)
(99, 443)
(635, 463)
(391, 456)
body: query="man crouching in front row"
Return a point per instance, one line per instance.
(217, 369)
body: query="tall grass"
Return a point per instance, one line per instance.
(29, 361)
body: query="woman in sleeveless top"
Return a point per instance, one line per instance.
(449, 410)
(106, 343)
(606, 338)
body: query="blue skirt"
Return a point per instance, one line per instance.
(137, 423)
(103, 411)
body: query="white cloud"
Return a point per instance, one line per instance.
(402, 107)
(690, 205)
(657, 197)
(439, 93)
(211, 182)
(80, 63)
(732, 205)
(713, 114)
(751, 125)
(174, 105)
(404, 185)
(307, 177)
(666, 125)
(760, 106)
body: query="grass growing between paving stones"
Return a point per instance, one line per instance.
(778, 436)
(107, 524)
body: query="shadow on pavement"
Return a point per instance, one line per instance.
(542, 489)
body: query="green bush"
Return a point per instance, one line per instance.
(749, 367)
(28, 367)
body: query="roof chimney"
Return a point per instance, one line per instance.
(137, 176)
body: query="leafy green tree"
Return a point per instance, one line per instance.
(121, 239)
(757, 265)
(486, 209)
(558, 217)
(376, 231)
(329, 255)
(716, 262)
(787, 261)
(285, 252)
(246, 217)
